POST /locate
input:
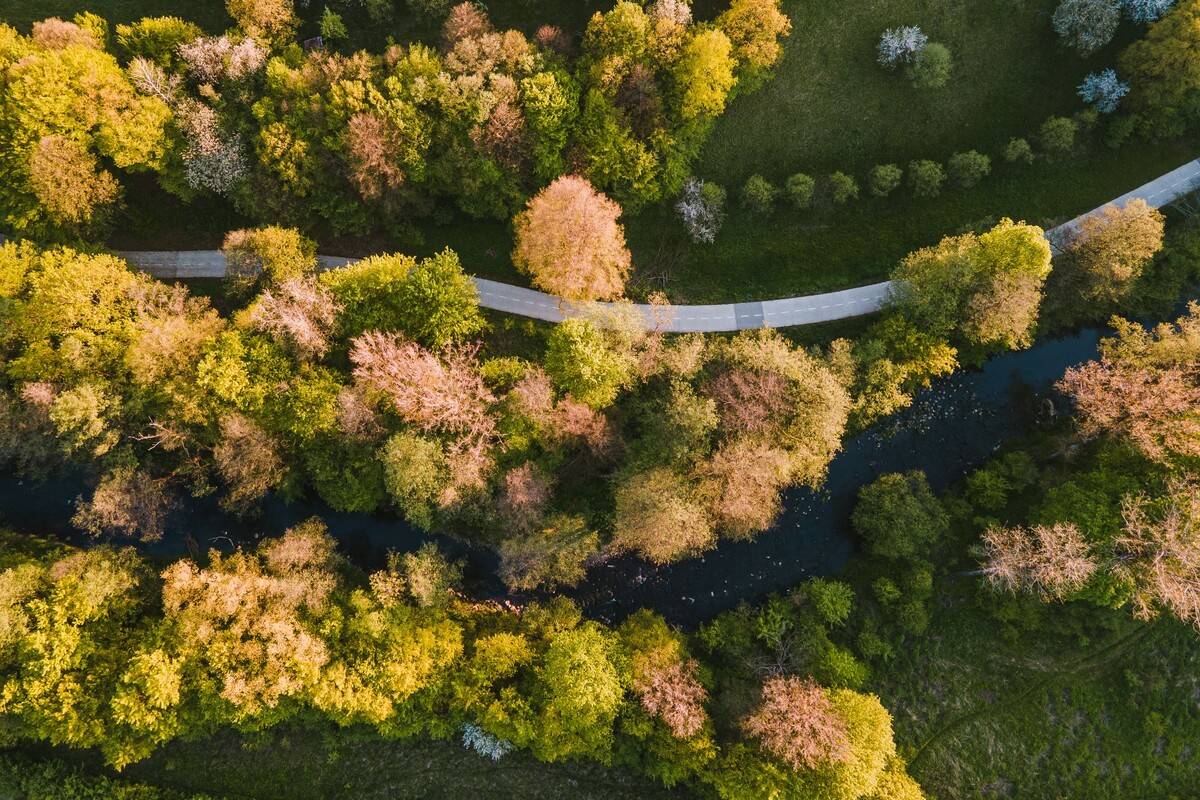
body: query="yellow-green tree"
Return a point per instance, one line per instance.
(68, 115)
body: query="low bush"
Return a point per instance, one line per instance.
(842, 188)
(1057, 135)
(1018, 151)
(926, 177)
(800, 189)
(883, 179)
(969, 168)
(931, 68)
(758, 195)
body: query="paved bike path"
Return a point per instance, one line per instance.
(782, 313)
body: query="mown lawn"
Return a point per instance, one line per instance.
(831, 106)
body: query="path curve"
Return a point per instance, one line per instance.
(786, 312)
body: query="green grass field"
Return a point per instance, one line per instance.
(830, 106)
(208, 14)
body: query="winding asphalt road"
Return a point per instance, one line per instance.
(782, 313)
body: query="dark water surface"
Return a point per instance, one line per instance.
(950, 428)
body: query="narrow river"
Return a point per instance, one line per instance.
(949, 429)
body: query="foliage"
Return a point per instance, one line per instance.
(931, 67)
(68, 113)
(271, 253)
(570, 243)
(884, 179)
(1103, 90)
(755, 28)
(1087, 25)
(983, 291)
(759, 195)
(800, 189)
(1108, 253)
(1146, 10)
(431, 300)
(1018, 151)
(332, 27)
(705, 70)
(899, 46)
(968, 169)
(926, 177)
(900, 517)
(701, 206)
(1057, 135)
(842, 188)
(1163, 68)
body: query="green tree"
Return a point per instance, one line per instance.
(759, 195)
(969, 168)
(884, 179)
(931, 67)
(416, 474)
(272, 253)
(61, 109)
(332, 27)
(1018, 151)
(430, 300)
(583, 363)
(580, 689)
(842, 188)
(64, 643)
(983, 291)
(1057, 135)
(925, 178)
(156, 39)
(550, 102)
(899, 516)
(800, 189)
(1163, 68)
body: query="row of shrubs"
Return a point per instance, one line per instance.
(1057, 137)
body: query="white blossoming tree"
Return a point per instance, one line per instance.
(1103, 90)
(1146, 10)
(901, 45)
(700, 207)
(1087, 25)
(485, 744)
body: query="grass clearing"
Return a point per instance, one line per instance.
(1088, 703)
(831, 106)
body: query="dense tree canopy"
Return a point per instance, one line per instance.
(97, 651)
(981, 290)
(362, 140)
(362, 385)
(68, 115)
